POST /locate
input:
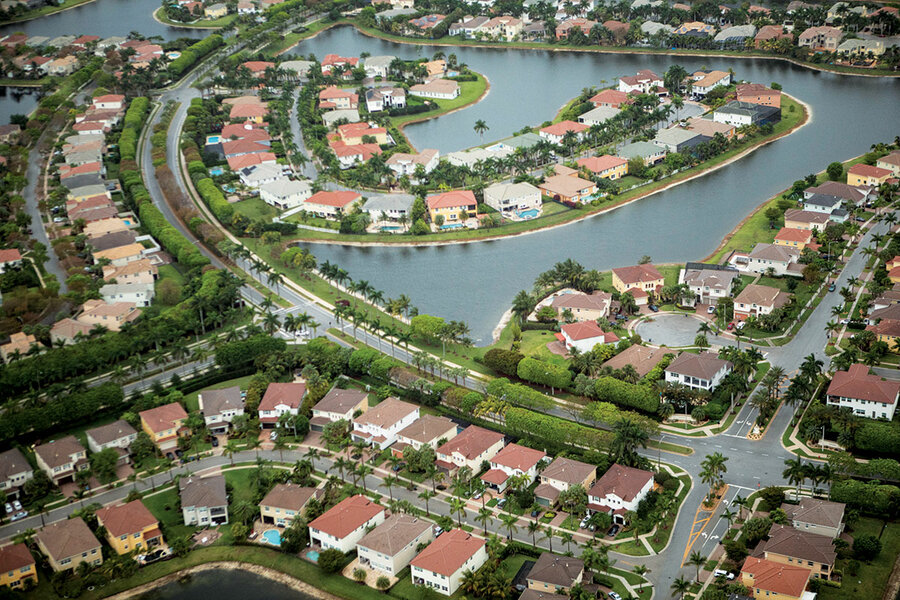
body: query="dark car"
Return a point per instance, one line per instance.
(179, 453)
(832, 287)
(169, 455)
(613, 531)
(396, 468)
(214, 442)
(654, 308)
(535, 513)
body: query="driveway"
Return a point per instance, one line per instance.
(669, 329)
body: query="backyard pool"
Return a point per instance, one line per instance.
(272, 536)
(391, 228)
(313, 555)
(127, 222)
(453, 226)
(215, 171)
(213, 139)
(528, 214)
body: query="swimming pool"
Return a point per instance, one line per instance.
(391, 228)
(213, 139)
(216, 171)
(313, 556)
(127, 222)
(528, 214)
(453, 226)
(272, 536)
(229, 188)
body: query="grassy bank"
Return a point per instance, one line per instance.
(470, 93)
(161, 16)
(46, 10)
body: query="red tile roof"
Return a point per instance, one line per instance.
(518, 457)
(290, 394)
(346, 516)
(495, 476)
(789, 234)
(864, 170)
(612, 97)
(448, 553)
(582, 331)
(257, 66)
(564, 127)
(9, 255)
(236, 163)
(457, 198)
(163, 417)
(859, 384)
(776, 577)
(340, 199)
(126, 519)
(598, 164)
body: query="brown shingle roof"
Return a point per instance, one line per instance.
(762, 295)
(340, 401)
(288, 496)
(471, 442)
(568, 470)
(346, 516)
(15, 557)
(203, 491)
(110, 432)
(67, 538)
(816, 512)
(787, 541)
(642, 358)
(163, 417)
(859, 384)
(702, 366)
(426, 428)
(126, 519)
(596, 301)
(562, 571)
(57, 453)
(624, 482)
(290, 394)
(13, 462)
(448, 552)
(806, 216)
(638, 274)
(395, 534)
(214, 402)
(386, 413)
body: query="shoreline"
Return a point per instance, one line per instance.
(491, 238)
(181, 25)
(55, 12)
(269, 573)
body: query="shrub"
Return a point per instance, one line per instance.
(866, 547)
(502, 361)
(331, 560)
(215, 200)
(622, 393)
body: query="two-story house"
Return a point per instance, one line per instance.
(791, 546)
(380, 424)
(768, 580)
(284, 503)
(646, 278)
(470, 448)
(343, 525)
(164, 424)
(61, 459)
(130, 527)
(555, 574)
(865, 394)
(17, 566)
(561, 475)
(821, 517)
(584, 335)
(67, 544)
(513, 461)
(204, 500)
(781, 259)
(452, 207)
(220, 407)
(427, 430)
(519, 200)
(582, 307)
(703, 371)
(392, 545)
(441, 565)
(708, 285)
(118, 435)
(15, 470)
(619, 490)
(280, 399)
(757, 300)
(338, 405)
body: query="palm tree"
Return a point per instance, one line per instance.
(484, 516)
(427, 495)
(548, 535)
(741, 503)
(390, 482)
(458, 506)
(795, 472)
(363, 470)
(534, 527)
(510, 520)
(480, 128)
(641, 571)
(696, 560)
(680, 586)
(229, 450)
(567, 538)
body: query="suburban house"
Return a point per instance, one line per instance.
(702, 371)
(392, 545)
(338, 404)
(17, 566)
(204, 501)
(356, 133)
(619, 490)
(118, 434)
(609, 98)
(334, 98)
(427, 430)
(451, 206)
(695, 29)
(642, 358)
(504, 27)
(781, 259)
(9, 258)
(513, 199)
(513, 461)
(557, 132)
(469, 449)
(863, 174)
(164, 424)
(284, 502)
(644, 277)
(769, 34)
(708, 285)
(740, 114)
(564, 29)
(61, 459)
(851, 194)
(821, 517)
(441, 565)
(770, 579)
(220, 407)
(285, 193)
(679, 139)
(130, 527)
(350, 155)
(755, 300)
(890, 162)
(468, 26)
(68, 543)
(19, 345)
(644, 82)
(705, 81)
(867, 395)
(794, 238)
(111, 316)
(331, 205)
(708, 127)
(378, 66)
(407, 164)
(280, 399)
(757, 93)
(380, 424)
(391, 207)
(441, 89)
(554, 573)
(787, 545)
(584, 335)
(15, 470)
(796, 218)
(824, 38)
(582, 307)
(562, 474)
(343, 525)
(606, 166)
(568, 189)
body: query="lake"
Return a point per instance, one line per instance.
(225, 585)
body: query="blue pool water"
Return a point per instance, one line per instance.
(391, 228)
(453, 226)
(216, 171)
(127, 222)
(229, 188)
(272, 536)
(213, 139)
(313, 556)
(528, 214)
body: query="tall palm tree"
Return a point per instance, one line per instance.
(427, 495)
(696, 560)
(641, 571)
(510, 520)
(548, 535)
(534, 527)
(795, 472)
(680, 586)
(484, 516)
(458, 506)
(480, 128)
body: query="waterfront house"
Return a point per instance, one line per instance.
(862, 174)
(810, 220)
(68, 543)
(598, 115)
(164, 424)
(61, 459)
(890, 162)
(646, 278)
(513, 199)
(391, 546)
(643, 82)
(703, 82)
(285, 194)
(582, 307)
(741, 114)
(605, 167)
(609, 98)
(703, 371)
(584, 335)
(757, 93)
(557, 132)
(284, 503)
(441, 565)
(357, 133)
(390, 206)
(204, 500)
(564, 29)
(343, 525)
(440, 89)
(821, 38)
(455, 206)
(679, 139)
(648, 152)
(385, 98)
(794, 238)
(568, 189)
(619, 491)
(853, 195)
(865, 394)
(331, 205)
(130, 527)
(770, 34)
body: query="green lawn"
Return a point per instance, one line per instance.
(165, 507)
(256, 209)
(534, 343)
(170, 272)
(871, 576)
(201, 24)
(191, 400)
(469, 93)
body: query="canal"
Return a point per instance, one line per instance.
(476, 282)
(225, 585)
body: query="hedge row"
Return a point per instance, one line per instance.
(241, 352)
(132, 123)
(193, 54)
(869, 498)
(544, 373)
(554, 430)
(625, 394)
(171, 239)
(879, 438)
(215, 200)
(40, 418)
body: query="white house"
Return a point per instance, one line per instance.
(343, 525)
(338, 405)
(756, 300)
(598, 116)
(781, 259)
(391, 206)
(865, 394)
(118, 434)
(378, 66)
(702, 371)
(584, 335)
(380, 424)
(642, 83)
(259, 175)
(441, 565)
(513, 460)
(705, 81)
(469, 449)
(384, 98)
(280, 399)
(406, 164)
(513, 199)
(285, 193)
(204, 501)
(15, 470)
(620, 490)
(330, 205)
(220, 407)
(822, 203)
(141, 294)
(708, 285)
(443, 89)
(109, 102)
(392, 545)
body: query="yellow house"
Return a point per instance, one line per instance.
(284, 503)
(794, 547)
(163, 424)
(645, 277)
(67, 544)
(16, 566)
(794, 238)
(451, 205)
(606, 166)
(352, 134)
(215, 11)
(769, 580)
(865, 175)
(130, 527)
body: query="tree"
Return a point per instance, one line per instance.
(680, 586)
(104, 463)
(712, 469)
(629, 435)
(359, 575)
(696, 560)
(331, 560)
(866, 547)
(835, 171)
(383, 583)
(480, 128)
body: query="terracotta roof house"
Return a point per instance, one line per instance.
(756, 300)
(642, 358)
(220, 407)
(280, 399)
(560, 475)
(785, 582)
(15, 470)
(609, 98)
(427, 430)
(554, 573)
(391, 546)
(891, 162)
(564, 29)
(757, 93)
(130, 527)
(556, 132)
(769, 34)
(451, 206)
(343, 525)
(644, 277)
(284, 502)
(824, 38)
(863, 174)
(164, 424)
(568, 189)
(641, 83)
(787, 545)
(204, 500)
(17, 566)
(698, 371)
(583, 307)
(585, 335)
(796, 218)
(619, 490)
(66, 544)
(513, 461)
(469, 449)
(338, 404)
(794, 238)
(822, 517)
(327, 203)
(440, 566)
(606, 166)
(61, 459)
(380, 424)
(865, 394)
(67, 330)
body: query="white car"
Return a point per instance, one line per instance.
(273, 436)
(17, 505)
(710, 310)
(19, 515)
(615, 596)
(723, 573)
(9, 508)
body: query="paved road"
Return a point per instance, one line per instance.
(39, 232)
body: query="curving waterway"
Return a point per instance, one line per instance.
(225, 585)
(476, 282)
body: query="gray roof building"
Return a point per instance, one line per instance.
(389, 203)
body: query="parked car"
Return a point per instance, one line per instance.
(614, 596)
(17, 505)
(654, 308)
(438, 530)
(501, 503)
(179, 453)
(730, 326)
(723, 573)
(477, 496)
(613, 531)
(19, 515)
(214, 442)
(535, 513)
(273, 436)
(710, 310)
(9, 508)
(832, 287)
